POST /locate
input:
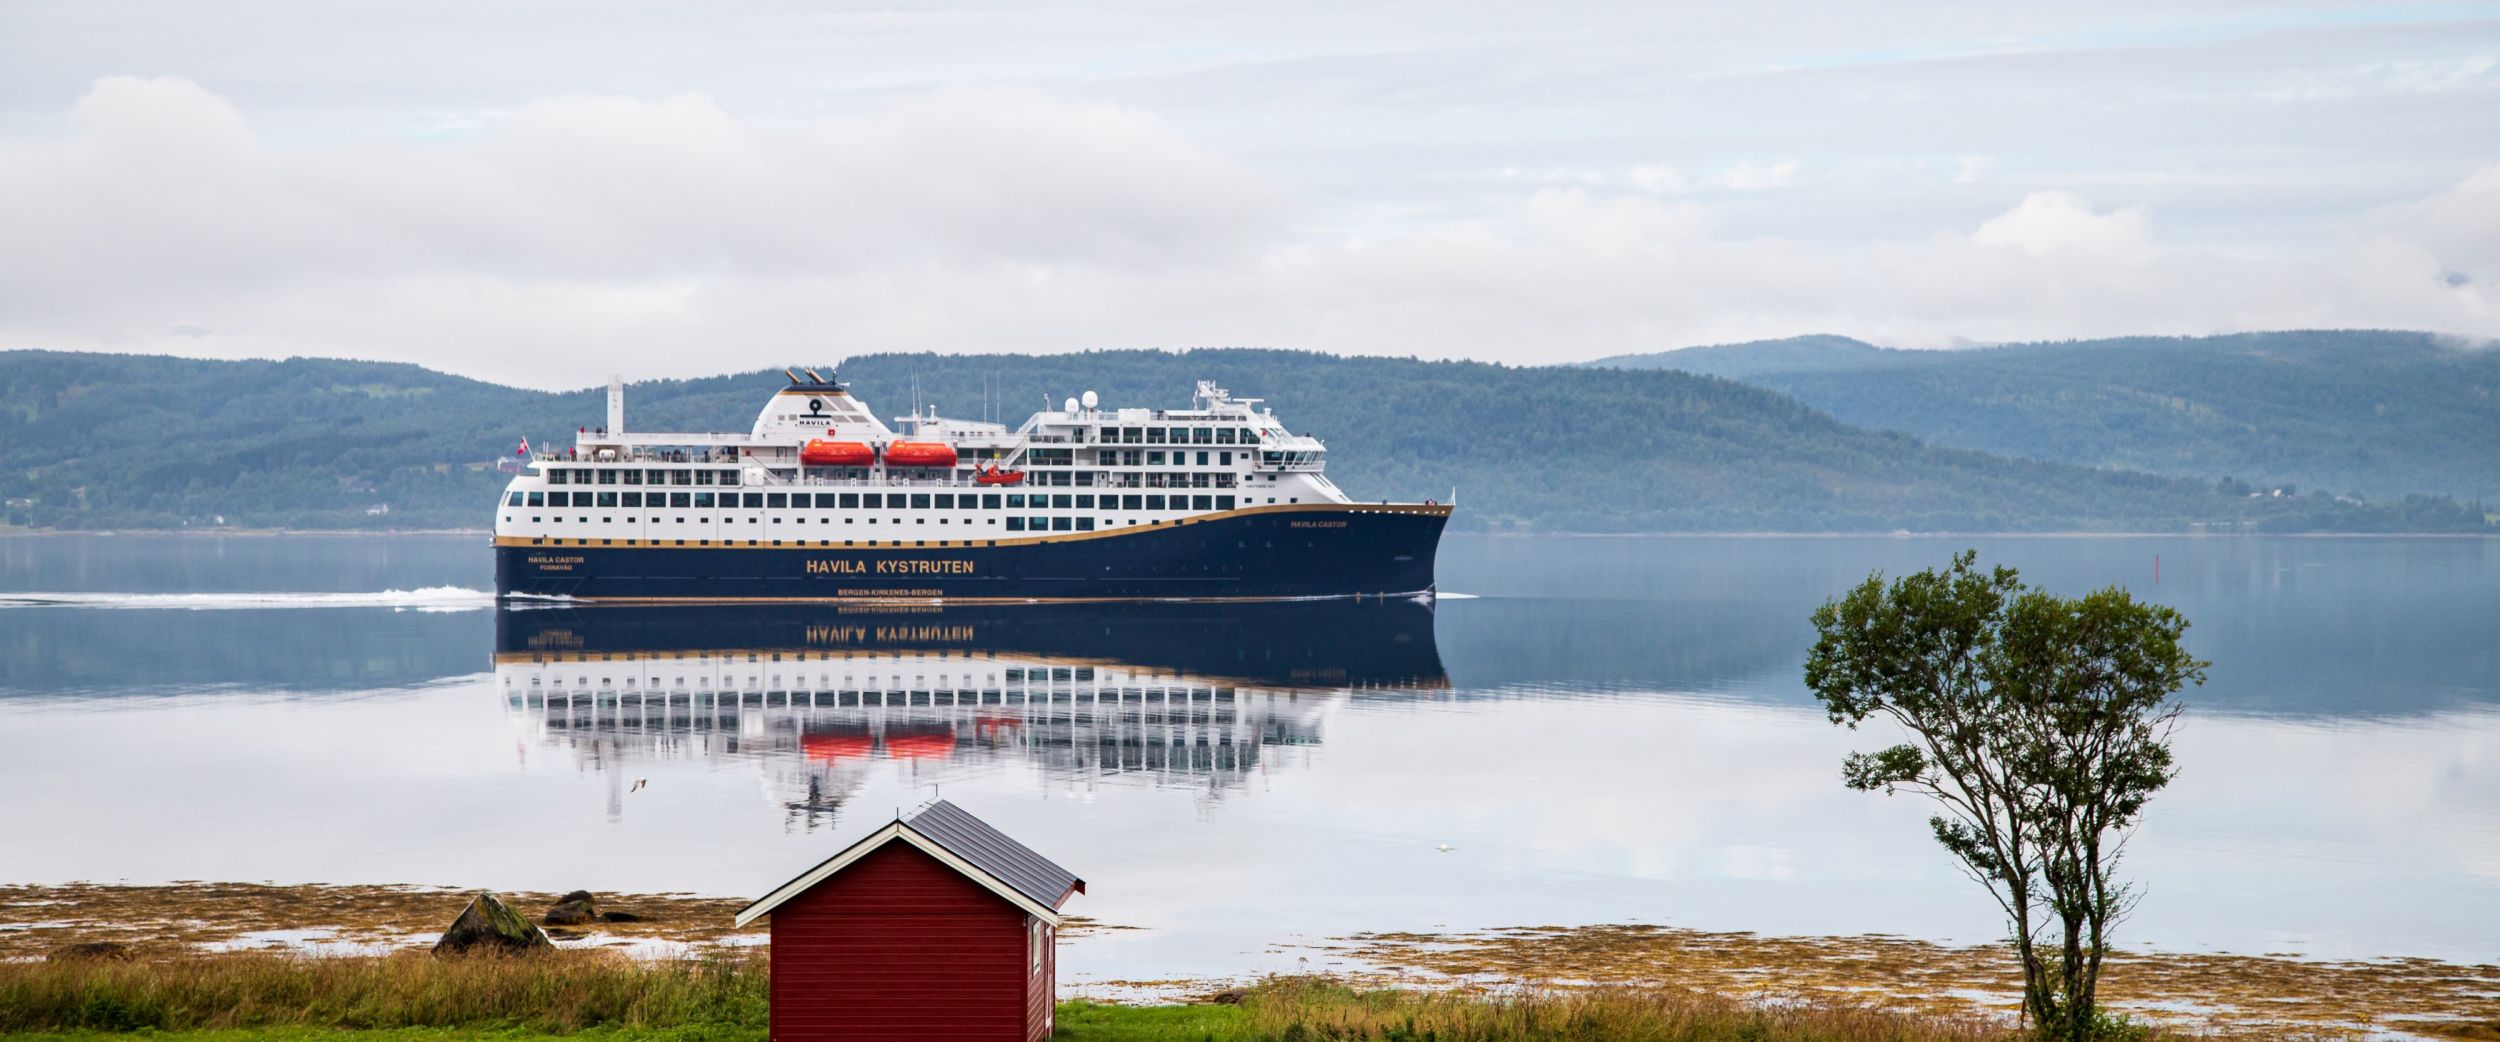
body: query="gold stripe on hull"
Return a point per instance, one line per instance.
(1423, 509)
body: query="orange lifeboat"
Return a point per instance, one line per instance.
(995, 476)
(821, 453)
(920, 454)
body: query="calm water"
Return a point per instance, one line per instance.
(1606, 730)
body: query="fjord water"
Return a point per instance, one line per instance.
(1602, 730)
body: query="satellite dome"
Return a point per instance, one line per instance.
(1071, 406)
(1090, 400)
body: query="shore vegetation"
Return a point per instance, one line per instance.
(2038, 725)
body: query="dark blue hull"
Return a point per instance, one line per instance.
(1260, 553)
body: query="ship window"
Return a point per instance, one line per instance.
(555, 476)
(850, 501)
(1202, 459)
(1249, 437)
(633, 477)
(701, 499)
(1154, 459)
(1015, 524)
(675, 499)
(802, 500)
(685, 477)
(632, 499)
(538, 499)
(1015, 501)
(607, 477)
(1223, 435)
(1202, 502)
(920, 500)
(1223, 502)
(777, 500)
(874, 501)
(1085, 502)
(1038, 524)
(1059, 501)
(702, 477)
(1084, 524)
(514, 501)
(754, 500)
(1204, 436)
(989, 501)
(1154, 502)
(607, 499)
(1132, 502)
(1154, 435)
(946, 500)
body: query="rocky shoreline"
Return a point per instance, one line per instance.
(2246, 995)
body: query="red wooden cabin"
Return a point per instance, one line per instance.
(934, 927)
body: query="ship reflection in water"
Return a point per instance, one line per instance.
(822, 696)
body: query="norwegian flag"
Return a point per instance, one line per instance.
(524, 450)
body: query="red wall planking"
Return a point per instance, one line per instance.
(899, 946)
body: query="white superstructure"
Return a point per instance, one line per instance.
(922, 478)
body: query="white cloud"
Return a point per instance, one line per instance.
(2046, 222)
(582, 234)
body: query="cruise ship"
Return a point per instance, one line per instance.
(824, 501)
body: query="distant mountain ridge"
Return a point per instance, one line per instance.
(2374, 413)
(100, 441)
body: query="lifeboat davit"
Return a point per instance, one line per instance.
(995, 476)
(920, 454)
(821, 453)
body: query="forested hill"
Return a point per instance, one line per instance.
(2377, 414)
(120, 441)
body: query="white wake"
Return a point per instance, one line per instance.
(430, 598)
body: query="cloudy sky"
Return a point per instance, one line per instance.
(544, 193)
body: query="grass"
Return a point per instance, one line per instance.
(590, 996)
(260, 997)
(559, 992)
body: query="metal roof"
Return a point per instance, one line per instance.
(960, 841)
(990, 850)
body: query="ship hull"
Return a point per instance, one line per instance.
(1263, 553)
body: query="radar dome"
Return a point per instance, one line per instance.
(1090, 400)
(1071, 406)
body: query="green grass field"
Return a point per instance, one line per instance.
(591, 997)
